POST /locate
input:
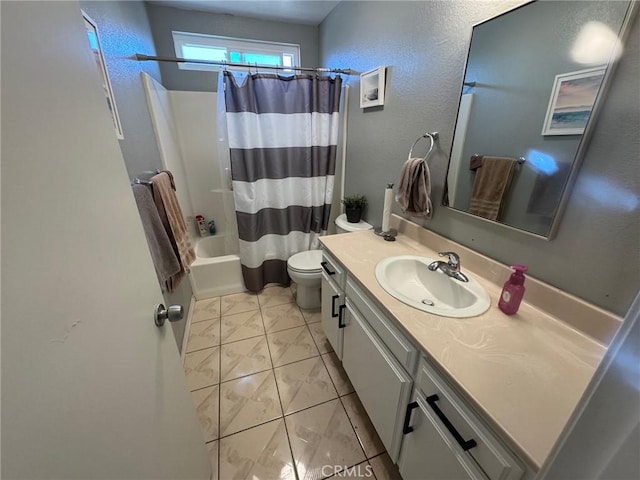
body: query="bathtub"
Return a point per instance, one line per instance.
(216, 270)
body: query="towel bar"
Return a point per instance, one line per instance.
(150, 173)
(431, 136)
(519, 160)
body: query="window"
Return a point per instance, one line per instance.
(196, 46)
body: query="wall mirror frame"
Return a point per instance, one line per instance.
(511, 83)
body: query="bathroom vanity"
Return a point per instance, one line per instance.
(479, 397)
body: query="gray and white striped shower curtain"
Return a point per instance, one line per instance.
(283, 135)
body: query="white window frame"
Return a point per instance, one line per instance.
(181, 39)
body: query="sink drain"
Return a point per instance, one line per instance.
(428, 302)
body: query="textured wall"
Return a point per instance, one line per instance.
(166, 19)
(595, 253)
(124, 30)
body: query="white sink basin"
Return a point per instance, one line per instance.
(408, 279)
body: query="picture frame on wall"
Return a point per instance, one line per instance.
(94, 43)
(573, 96)
(372, 87)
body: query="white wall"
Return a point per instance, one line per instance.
(167, 139)
(195, 117)
(186, 129)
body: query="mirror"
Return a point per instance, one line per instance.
(534, 79)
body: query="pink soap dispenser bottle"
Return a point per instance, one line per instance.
(513, 291)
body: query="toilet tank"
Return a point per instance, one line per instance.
(343, 226)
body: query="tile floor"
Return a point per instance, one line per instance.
(272, 398)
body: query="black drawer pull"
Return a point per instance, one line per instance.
(326, 269)
(340, 319)
(407, 418)
(465, 444)
(333, 306)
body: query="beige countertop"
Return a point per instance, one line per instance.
(524, 372)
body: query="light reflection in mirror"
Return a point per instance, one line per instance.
(542, 163)
(596, 44)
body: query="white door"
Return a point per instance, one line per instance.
(91, 388)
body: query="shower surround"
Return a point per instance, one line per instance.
(185, 125)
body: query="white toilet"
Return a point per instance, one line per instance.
(305, 270)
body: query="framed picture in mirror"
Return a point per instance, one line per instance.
(572, 98)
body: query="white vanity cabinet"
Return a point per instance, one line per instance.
(377, 359)
(332, 315)
(444, 439)
(428, 451)
(430, 434)
(380, 381)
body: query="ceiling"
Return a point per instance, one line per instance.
(307, 12)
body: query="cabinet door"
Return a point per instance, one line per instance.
(380, 381)
(332, 314)
(429, 452)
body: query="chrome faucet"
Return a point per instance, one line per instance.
(450, 268)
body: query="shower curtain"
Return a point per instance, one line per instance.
(283, 135)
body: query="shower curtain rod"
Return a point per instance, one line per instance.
(141, 57)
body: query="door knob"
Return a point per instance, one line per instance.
(162, 314)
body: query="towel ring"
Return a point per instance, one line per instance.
(431, 136)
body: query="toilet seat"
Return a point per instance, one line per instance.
(306, 262)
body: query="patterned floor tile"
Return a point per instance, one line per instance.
(291, 345)
(206, 310)
(238, 303)
(304, 384)
(369, 439)
(240, 326)
(317, 332)
(384, 468)
(247, 402)
(245, 357)
(281, 317)
(206, 402)
(204, 334)
(337, 374)
(311, 316)
(202, 368)
(259, 453)
(322, 441)
(273, 296)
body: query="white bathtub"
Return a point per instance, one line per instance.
(216, 270)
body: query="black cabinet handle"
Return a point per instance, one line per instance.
(326, 269)
(333, 306)
(406, 428)
(465, 444)
(340, 319)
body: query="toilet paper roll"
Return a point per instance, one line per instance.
(386, 210)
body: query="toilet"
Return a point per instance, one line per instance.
(305, 270)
